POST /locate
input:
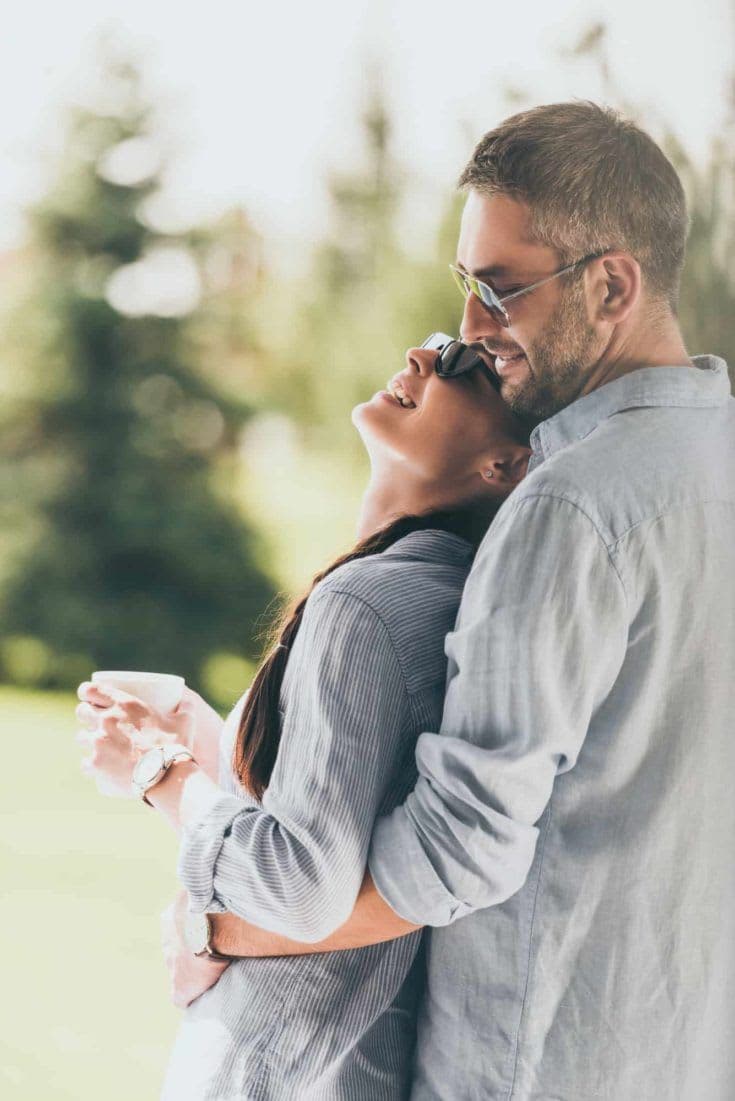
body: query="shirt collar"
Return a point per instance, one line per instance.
(705, 384)
(433, 545)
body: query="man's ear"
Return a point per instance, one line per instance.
(617, 285)
(507, 466)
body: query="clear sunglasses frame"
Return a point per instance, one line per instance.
(493, 302)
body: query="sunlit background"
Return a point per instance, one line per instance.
(220, 229)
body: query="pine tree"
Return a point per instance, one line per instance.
(129, 552)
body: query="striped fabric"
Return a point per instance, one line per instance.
(365, 677)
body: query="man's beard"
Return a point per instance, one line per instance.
(558, 363)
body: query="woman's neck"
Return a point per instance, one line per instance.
(384, 501)
(380, 505)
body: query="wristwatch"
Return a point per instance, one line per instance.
(198, 937)
(153, 766)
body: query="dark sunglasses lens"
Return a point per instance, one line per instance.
(448, 359)
(456, 359)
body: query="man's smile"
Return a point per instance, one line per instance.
(504, 358)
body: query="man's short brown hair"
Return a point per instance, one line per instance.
(592, 180)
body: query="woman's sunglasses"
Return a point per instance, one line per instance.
(455, 358)
(492, 301)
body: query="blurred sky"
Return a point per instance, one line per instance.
(259, 99)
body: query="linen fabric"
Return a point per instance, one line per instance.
(571, 833)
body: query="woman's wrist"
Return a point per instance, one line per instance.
(184, 794)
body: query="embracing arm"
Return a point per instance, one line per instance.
(540, 638)
(371, 922)
(539, 641)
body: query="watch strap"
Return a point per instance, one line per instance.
(208, 952)
(170, 754)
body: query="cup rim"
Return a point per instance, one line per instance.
(134, 674)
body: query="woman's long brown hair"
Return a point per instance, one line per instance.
(259, 732)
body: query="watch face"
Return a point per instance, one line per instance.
(196, 932)
(148, 767)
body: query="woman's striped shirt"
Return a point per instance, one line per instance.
(365, 677)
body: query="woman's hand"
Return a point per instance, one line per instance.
(112, 749)
(113, 754)
(204, 727)
(192, 723)
(190, 975)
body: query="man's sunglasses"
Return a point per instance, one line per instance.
(493, 302)
(455, 358)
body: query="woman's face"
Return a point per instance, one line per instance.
(444, 434)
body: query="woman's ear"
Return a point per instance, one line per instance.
(506, 467)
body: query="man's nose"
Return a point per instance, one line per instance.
(477, 322)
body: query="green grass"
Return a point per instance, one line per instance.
(86, 1013)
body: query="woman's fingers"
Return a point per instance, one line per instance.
(88, 715)
(135, 708)
(115, 725)
(89, 692)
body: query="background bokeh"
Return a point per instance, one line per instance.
(217, 237)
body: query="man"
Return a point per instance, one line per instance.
(575, 810)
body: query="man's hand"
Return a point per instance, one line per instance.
(190, 975)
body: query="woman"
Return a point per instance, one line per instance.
(322, 744)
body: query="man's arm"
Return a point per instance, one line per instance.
(539, 641)
(371, 922)
(540, 638)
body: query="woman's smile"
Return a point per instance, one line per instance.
(392, 399)
(403, 391)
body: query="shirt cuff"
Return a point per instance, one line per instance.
(199, 851)
(403, 873)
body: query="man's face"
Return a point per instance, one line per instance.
(544, 359)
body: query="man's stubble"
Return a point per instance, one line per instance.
(559, 362)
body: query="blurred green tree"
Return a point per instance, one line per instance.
(118, 454)
(707, 310)
(344, 328)
(707, 301)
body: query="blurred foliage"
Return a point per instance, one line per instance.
(707, 311)
(142, 424)
(707, 301)
(344, 328)
(115, 447)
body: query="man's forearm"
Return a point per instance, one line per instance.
(371, 922)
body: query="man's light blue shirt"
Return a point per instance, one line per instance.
(572, 831)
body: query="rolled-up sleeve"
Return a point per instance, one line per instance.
(294, 864)
(540, 638)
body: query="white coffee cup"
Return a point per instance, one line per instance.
(161, 691)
